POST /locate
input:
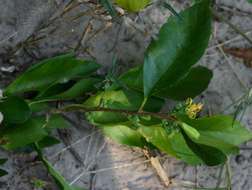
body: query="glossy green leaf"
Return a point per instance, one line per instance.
(180, 44)
(193, 84)
(53, 89)
(172, 144)
(190, 131)
(47, 142)
(77, 90)
(116, 125)
(57, 122)
(220, 132)
(158, 137)
(23, 134)
(50, 71)
(39, 106)
(119, 99)
(171, 9)
(211, 156)
(123, 134)
(133, 5)
(58, 178)
(3, 161)
(77, 188)
(14, 110)
(108, 6)
(133, 78)
(3, 173)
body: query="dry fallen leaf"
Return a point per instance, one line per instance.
(243, 53)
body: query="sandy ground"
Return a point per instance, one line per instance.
(102, 164)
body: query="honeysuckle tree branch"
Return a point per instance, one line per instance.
(82, 108)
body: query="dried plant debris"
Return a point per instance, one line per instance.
(244, 53)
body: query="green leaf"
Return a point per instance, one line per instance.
(56, 122)
(171, 143)
(51, 71)
(53, 89)
(77, 188)
(180, 44)
(158, 137)
(133, 78)
(123, 134)
(193, 84)
(117, 126)
(23, 134)
(190, 131)
(250, 1)
(119, 99)
(77, 90)
(3, 161)
(108, 6)
(171, 9)
(220, 132)
(48, 141)
(3, 173)
(210, 156)
(133, 5)
(14, 110)
(38, 106)
(58, 178)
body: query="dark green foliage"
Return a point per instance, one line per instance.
(180, 44)
(58, 178)
(14, 109)
(50, 72)
(3, 172)
(109, 7)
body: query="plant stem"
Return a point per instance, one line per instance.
(229, 175)
(155, 162)
(219, 177)
(143, 104)
(82, 108)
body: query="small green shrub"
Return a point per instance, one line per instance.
(127, 108)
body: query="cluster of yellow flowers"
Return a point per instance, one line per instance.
(192, 109)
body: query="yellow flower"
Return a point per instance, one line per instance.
(192, 109)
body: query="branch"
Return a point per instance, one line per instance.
(82, 108)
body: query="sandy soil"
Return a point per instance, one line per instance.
(101, 164)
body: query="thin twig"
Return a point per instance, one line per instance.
(229, 175)
(82, 108)
(107, 169)
(239, 31)
(219, 177)
(63, 136)
(236, 38)
(73, 144)
(230, 65)
(87, 29)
